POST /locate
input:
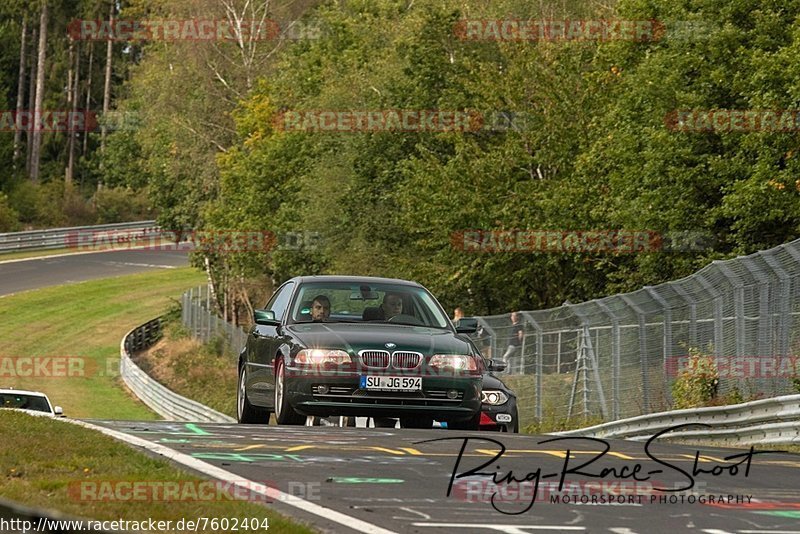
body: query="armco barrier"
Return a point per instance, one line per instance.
(166, 403)
(57, 238)
(775, 420)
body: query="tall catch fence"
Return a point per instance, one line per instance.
(617, 356)
(198, 314)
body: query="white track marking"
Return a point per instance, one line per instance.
(154, 266)
(51, 256)
(506, 528)
(221, 474)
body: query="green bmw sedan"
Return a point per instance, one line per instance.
(359, 346)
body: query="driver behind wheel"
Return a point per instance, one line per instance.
(320, 308)
(392, 305)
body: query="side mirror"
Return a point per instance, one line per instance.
(496, 365)
(467, 325)
(265, 318)
(59, 411)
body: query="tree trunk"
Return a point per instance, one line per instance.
(20, 89)
(37, 132)
(74, 94)
(88, 93)
(31, 98)
(107, 87)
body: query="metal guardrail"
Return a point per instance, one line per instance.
(775, 420)
(77, 237)
(160, 399)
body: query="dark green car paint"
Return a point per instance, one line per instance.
(276, 338)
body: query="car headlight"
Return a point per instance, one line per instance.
(453, 361)
(322, 357)
(493, 397)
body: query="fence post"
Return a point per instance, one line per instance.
(764, 336)
(692, 311)
(615, 360)
(642, 351)
(667, 337)
(558, 354)
(190, 312)
(784, 291)
(526, 316)
(718, 343)
(738, 304)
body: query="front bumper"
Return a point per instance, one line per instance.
(345, 397)
(498, 418)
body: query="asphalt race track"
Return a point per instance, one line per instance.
(22, 275)
(394, 480)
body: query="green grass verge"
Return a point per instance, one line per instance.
(86, 321)
(43, 461)
(554, 409)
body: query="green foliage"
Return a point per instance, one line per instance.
(121, 204)
(54, 204)
(593, 151)
(696, 385)
(8, 216)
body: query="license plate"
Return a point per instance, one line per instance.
(391, 383)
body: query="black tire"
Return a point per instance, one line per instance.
(284, 413)
(246, 413)
(416, 421)
(515, 415)
(473, 423)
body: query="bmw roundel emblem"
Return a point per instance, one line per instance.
(390, 345)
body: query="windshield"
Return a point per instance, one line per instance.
(373, 303)
(25, 402)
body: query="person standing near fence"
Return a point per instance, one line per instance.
(514, 344)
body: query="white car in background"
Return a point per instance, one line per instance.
(31, 402)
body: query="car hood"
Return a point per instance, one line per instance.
(354, 337)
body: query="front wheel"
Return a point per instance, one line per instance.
(284, 413)
(246, 413)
